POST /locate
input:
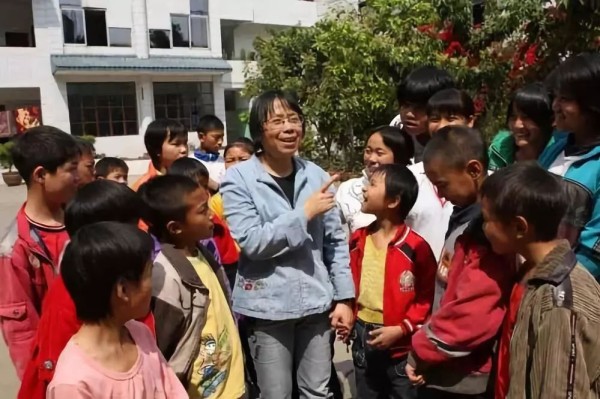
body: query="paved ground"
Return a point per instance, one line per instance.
(10, 200)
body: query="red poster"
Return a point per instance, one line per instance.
(27, 117)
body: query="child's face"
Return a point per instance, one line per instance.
(236, 155)
(568, 115)
(211, 141)
(438, 121)
(139, 294)
(376, 153)
(172, 150)
(502, 236)
(374, 199)
(197, 225)
(60, 186)
(523, 129)
(85, 169)
(455, 184)
(119, 175)
(414, 118)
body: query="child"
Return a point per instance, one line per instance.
(530, 123)
(237, 151)
(101, 200)
(166, 141)
(453, 352)
(111, 168)
(221, 244)
(211, 132)
(552, 324)
(412, 96)
(575, 155)
(47, 159)
(385, 145)
(85, 168)
(108, 273)
(450, 107)
(394, 271)
(196, 330)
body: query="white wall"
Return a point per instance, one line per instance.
(273, 12)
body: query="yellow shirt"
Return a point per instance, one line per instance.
(372, 277)
(216, 206)
(218, 372)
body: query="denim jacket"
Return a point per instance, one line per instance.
(289, 267)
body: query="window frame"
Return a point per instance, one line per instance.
(85, 38)
(189, 18)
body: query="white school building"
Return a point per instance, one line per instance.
(109, 67)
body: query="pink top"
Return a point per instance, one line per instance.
(77, 376)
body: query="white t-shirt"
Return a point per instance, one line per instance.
(349, 198)
(431, 214)
(562, 163)
(216, 169)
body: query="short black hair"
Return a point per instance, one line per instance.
(102, 201)
(209, 123)
(457, 145)
(451, 102)
(189, 167)
(578, 79)
(241, 142)
(398, 141)
(263, 105)
(401, 183)
(98, 257)
(534, 101)
(85, 146)
(156, 134)
(107, 165)
(525, 189)
(421, 84)
(44, 146)
(164, 199)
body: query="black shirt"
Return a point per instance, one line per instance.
(287, 185)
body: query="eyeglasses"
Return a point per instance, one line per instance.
(295, 120)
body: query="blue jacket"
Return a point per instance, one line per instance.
(289, 267)
(582, 222)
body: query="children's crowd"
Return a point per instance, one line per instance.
(452, 269)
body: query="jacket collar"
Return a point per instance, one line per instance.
(182, 266)
(264, 177)
(555, 267)
(359, 237)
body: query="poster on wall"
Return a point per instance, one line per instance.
(27, 117)
(5, 130)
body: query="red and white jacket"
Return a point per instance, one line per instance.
(408, 291)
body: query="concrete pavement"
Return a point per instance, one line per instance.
(10, 200)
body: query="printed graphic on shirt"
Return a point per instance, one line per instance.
(407, 281)
(215, 356)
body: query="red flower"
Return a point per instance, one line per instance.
(479, 105)
(530, 55)
(425, 28)
(454, 49)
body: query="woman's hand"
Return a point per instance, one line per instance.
(342, 318)
(321, 201)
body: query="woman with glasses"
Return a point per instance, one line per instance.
(294, 284)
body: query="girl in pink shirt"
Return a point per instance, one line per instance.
(107, 270)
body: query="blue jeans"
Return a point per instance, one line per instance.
(378, 375)
(286, 347)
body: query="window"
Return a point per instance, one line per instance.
(73, 26)
(102, 109)
(181, 31)
(16, 39)
(199, 7)
(182, 25)
(120, 37)
(183, 101)
(160, 38)
(85, 26)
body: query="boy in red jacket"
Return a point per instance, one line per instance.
(452, 354)
(46, 158)
(101, 200)
(394, 273)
